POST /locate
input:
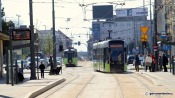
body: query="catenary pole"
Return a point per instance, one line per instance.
(33, 70)
(155, 32)
(54, 39)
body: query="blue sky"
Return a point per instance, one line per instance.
(64, 10)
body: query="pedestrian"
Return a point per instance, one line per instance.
(165, 62)
(42, 67)
(160, 63)
(148, 62)
(136, 63)
(153, 63)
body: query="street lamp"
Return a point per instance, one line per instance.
(109, 27)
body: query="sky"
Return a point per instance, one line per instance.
(68, 14)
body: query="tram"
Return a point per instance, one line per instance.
(70, 57)
(109, 56)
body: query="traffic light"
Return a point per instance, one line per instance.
(61, 48)
(144, 44)
(79, 43)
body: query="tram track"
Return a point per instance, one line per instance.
(119, 86)
(143, 83)
(127, 81)
(69, 79)
(47, 94)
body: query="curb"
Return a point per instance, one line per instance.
(43, 89)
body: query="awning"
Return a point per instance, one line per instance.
(4, 36)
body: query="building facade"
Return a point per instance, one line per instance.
(125, 25)
(61, 39)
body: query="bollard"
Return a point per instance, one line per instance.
(173, 65)
(22, 66)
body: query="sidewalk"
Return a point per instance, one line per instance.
(29, 88)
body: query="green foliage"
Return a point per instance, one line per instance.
(48, 44)
(6, 25)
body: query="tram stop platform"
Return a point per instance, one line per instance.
(29, 88)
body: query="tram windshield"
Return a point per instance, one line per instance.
(69, 54)
(116, 54)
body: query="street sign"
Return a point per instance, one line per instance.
(144, 29)
(166, 47)
(163, 36)
(144, 38)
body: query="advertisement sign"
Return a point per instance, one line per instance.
(132, 12)
(121, 13)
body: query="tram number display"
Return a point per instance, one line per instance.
(116, 46)
(20, 34)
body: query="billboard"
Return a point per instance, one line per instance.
(96, 31)
(102, 11)
(132, 12)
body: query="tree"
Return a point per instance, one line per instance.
(6, 25)
(5, 28)
(48, 44)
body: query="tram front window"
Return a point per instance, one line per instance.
(116, 54)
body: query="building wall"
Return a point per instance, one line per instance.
(127, 29)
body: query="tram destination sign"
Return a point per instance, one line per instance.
(116, 45)
(21, 34)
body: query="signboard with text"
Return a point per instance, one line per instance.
(21, 34)
(132, 12)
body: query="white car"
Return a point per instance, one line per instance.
(29, 61)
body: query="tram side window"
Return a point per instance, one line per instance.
(75, 54)
(106, 56)
(65, 54)
(95, 54)
(101, 54)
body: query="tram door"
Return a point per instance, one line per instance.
(117, 59)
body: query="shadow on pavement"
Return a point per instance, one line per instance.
(1, 96)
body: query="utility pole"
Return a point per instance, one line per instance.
(54, 37)
(151, 27)
(18, 18)
(0, 19)
(1, 58)
(155, 33)
(33, 70)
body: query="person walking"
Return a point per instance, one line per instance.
(160, 63)
(42, 67)
(148, 63)
(153, 63)
(165, 62)
(136, 63)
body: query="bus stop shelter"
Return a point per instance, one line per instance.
(2, 38)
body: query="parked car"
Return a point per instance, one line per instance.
(29, 61)
(141, 61)
(58, 59)
(130, 59)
